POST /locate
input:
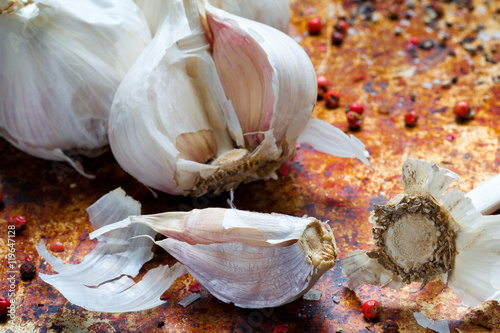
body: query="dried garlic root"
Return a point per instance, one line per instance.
(425, 234)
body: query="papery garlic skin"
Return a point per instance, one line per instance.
(275, 13)
(429, 233)
(250, 259)
(102, 281)
(61, 64)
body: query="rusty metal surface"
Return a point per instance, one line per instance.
(372, 67)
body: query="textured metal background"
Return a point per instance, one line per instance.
(371, 67)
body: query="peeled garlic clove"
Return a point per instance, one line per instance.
(429, 233)
(275, 13)
(61, 64)
(250, 259)
(102, 281)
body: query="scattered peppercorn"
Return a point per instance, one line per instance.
(161, 324)
(17, 221)
(280, 329)
(414, 41)
(371, 309)
(314, 26)
(332, 99)
(323, 85)
(56, 246)
(337, 38)
(342, 26)
(354, 120)
(195, 287)
(4, 305)
(411, 119)
(27, 271)
(462, 110)
(358, 108)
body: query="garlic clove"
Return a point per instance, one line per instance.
(101, 282)
(279, 92)
(426, 235)
(180, 125)
(249, 259)
(256, 277)
(60, 73)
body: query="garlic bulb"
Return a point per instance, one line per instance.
(61, 64)
(422, 235)
(275, 13)
(185, 122)
(102, 281)
(251, 259)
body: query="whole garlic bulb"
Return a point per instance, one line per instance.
(275, 13)
(61, 64)
(186, 120)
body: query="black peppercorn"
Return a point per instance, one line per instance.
(27, 270)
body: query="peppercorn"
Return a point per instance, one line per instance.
(332, 99)
(463, 111)
(342, 26)
(4, 305)
(17, 221)
(314, 26)
(411, 119)
(358, 108)
(337, 38)
(27, 271)
(56, 246)
(323, 85)
(354, 120)
(371, 309)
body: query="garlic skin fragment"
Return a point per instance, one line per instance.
(61, 64)
(275, 13)
(251, 259)
(430, 233)
(102, 281)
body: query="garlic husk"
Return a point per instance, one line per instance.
(61, 64)
(250, 259)
(179, 121)
(430, 233)
(486, 196)
(275, 13)
(102, 281)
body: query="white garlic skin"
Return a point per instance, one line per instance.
(275, 13)
(61, 64)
